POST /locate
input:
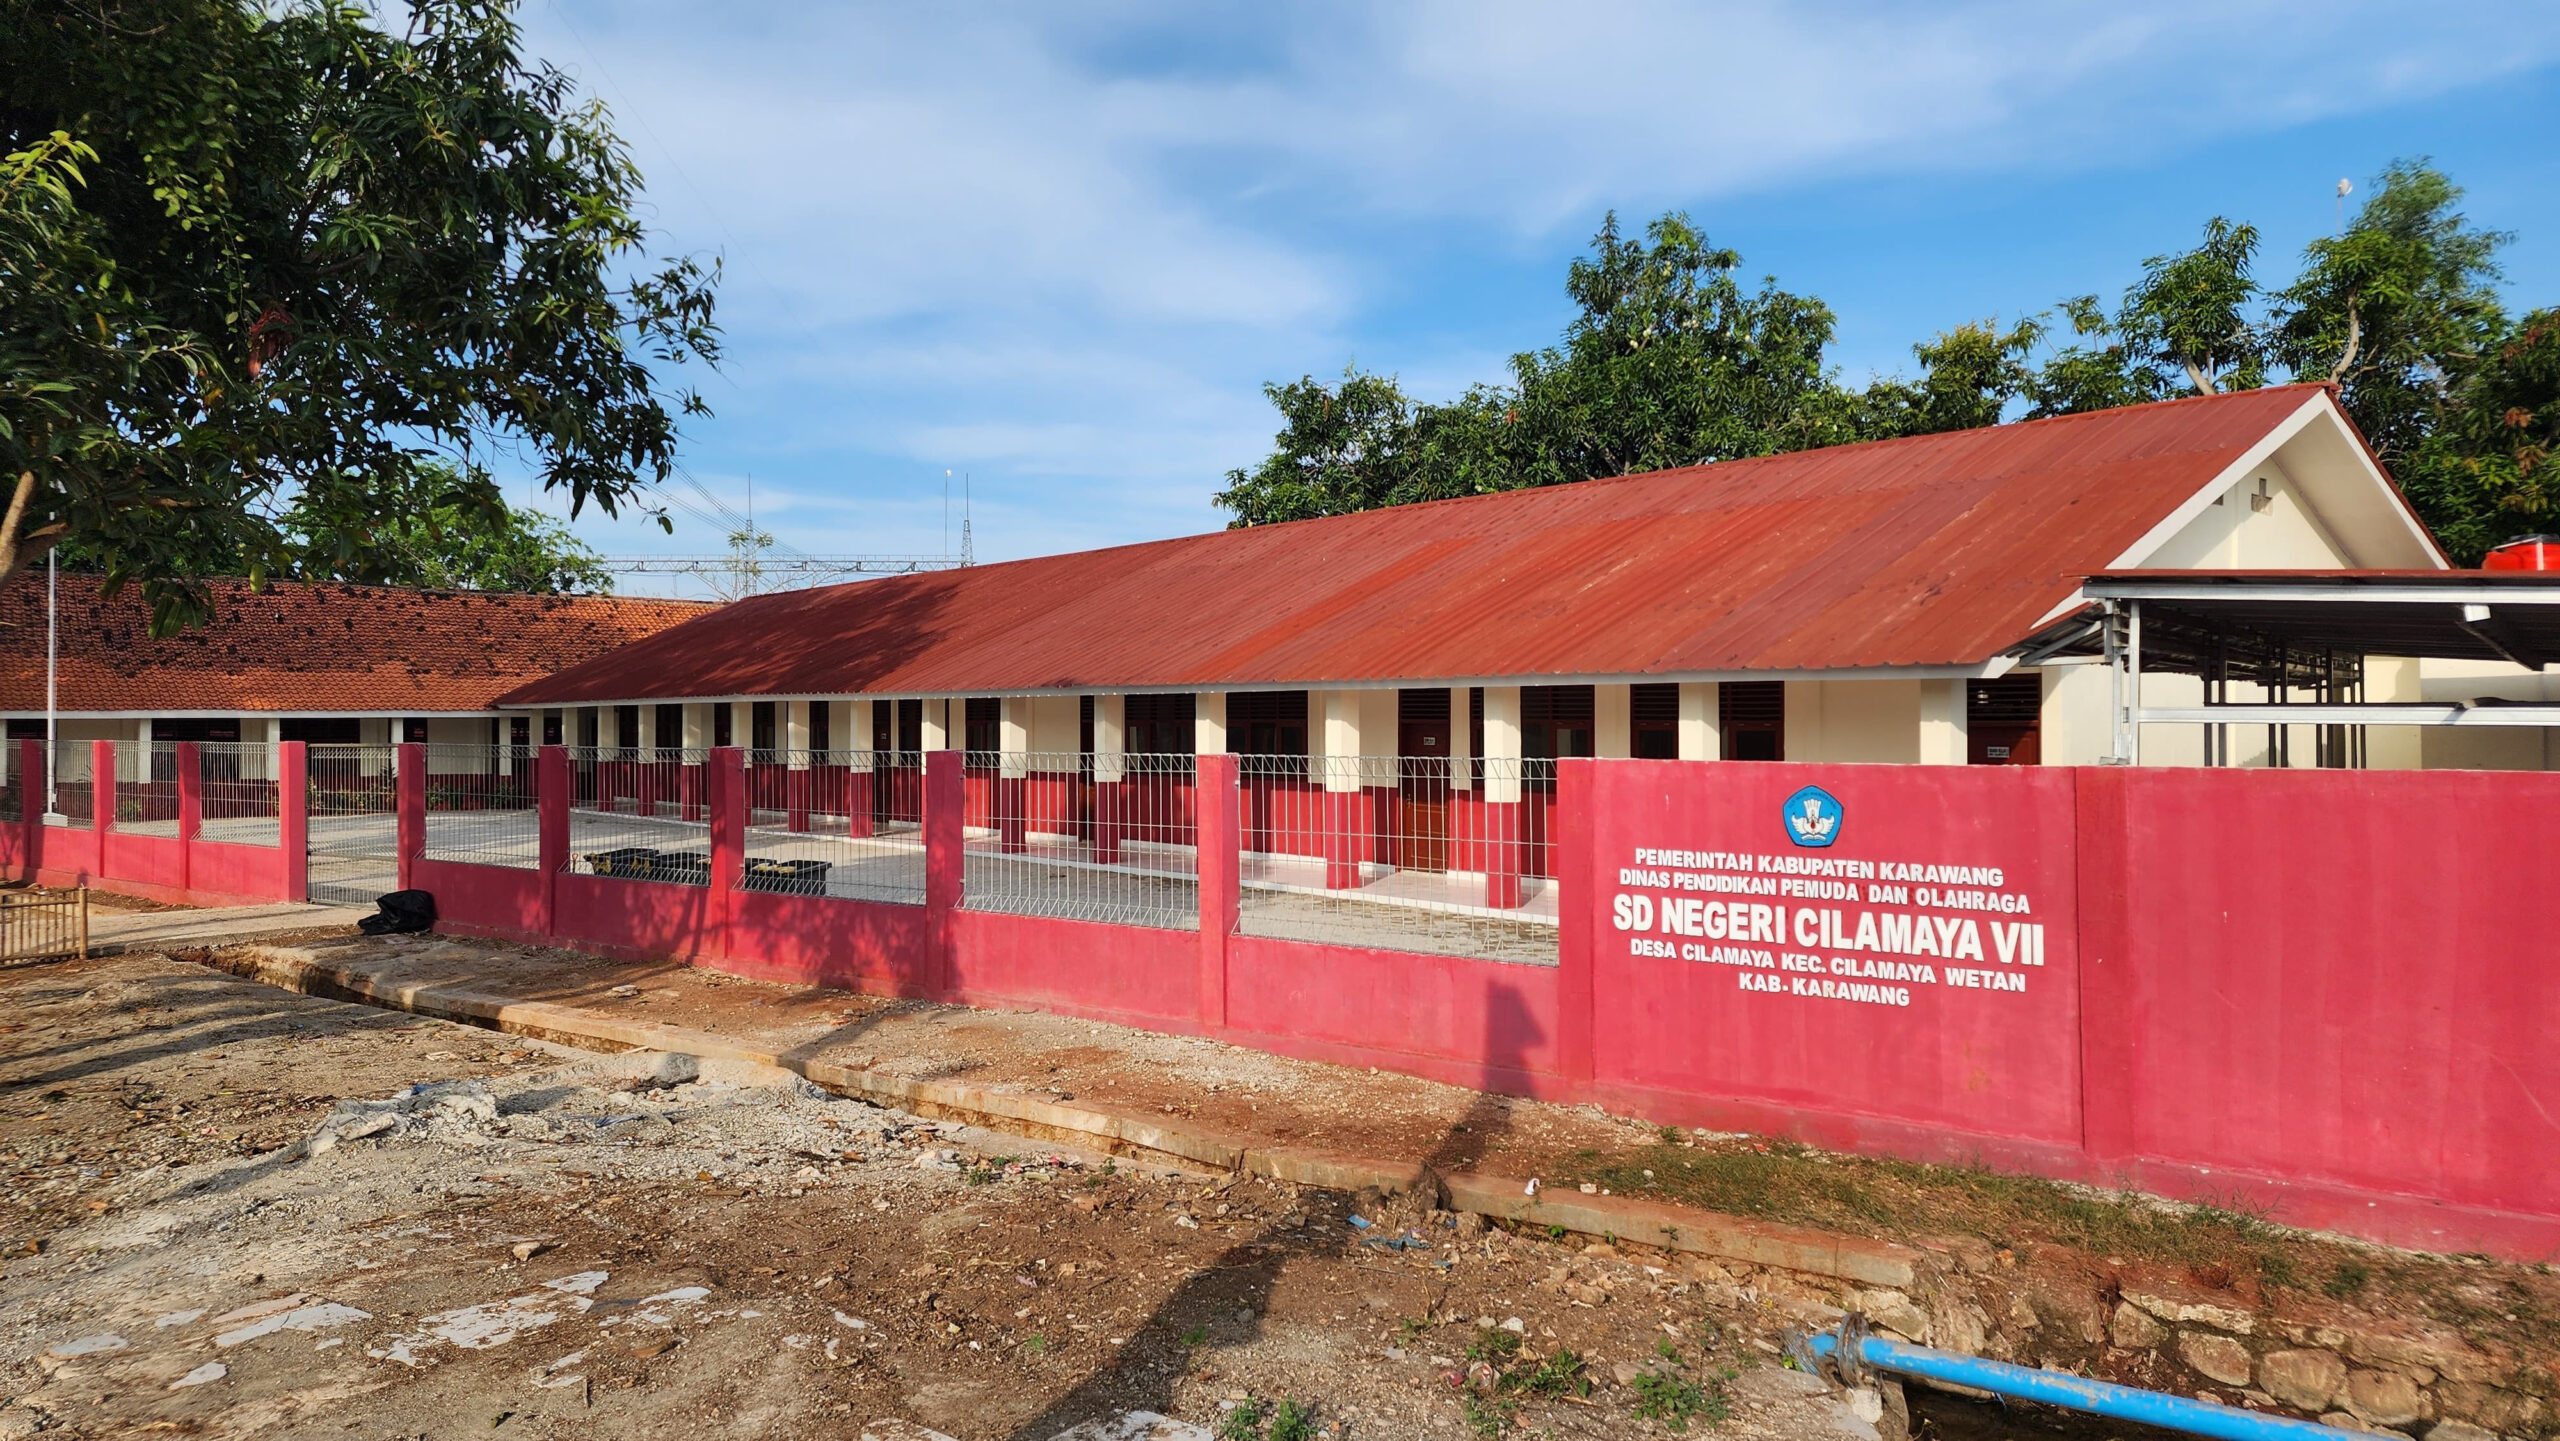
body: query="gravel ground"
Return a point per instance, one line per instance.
(240, 1212)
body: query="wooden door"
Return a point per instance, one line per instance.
(1422, 796)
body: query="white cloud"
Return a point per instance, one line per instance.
(1063, 245)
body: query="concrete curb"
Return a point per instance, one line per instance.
(1679, 1228)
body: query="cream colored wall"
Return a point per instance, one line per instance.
(1057, 731)
(1875, 721)
(2233, 534)
(470, 731)
(2495, 748)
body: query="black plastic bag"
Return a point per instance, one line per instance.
(400, 913)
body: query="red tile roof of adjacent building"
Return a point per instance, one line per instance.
(320, 648)
(1940, 550)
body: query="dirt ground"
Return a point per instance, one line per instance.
(239, 1212)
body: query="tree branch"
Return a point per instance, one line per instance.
(2355, 341)
(2202, 382)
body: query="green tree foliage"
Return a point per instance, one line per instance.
(1669, 362)
(277, 261)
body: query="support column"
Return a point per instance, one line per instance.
(412, 805)
(937, 724)
(1942, 723)
(728, 801)
(190, 767)
(551, 820)
(1701, 722)
(644, 761)
(1013, 773)
(1345, 814)
(1462, 744)
(1209, 723)
(1505, 824)
(1221, 845)
(945, 807)
(689, 783)
(861, 768)
(138, 766)
(293, 816)
(795, 757)
(1111, 778)
(1613, 725)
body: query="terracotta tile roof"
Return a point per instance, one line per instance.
(1937, 550)
(321, 648)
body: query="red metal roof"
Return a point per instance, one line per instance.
(1935, 550)
(302, 649)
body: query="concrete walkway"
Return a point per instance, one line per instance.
(116, 932)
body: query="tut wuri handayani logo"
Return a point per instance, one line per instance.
(1812, 816)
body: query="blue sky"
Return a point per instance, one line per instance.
(1058, 249)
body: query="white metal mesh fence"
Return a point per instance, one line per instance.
(846, 824)
(147, 789)
(351, 829)
(1081, 836)
(482, 807)
(640, 815)
(66, 792)
(1400, 853)
(237, 788)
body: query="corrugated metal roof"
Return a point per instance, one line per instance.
(302, 649)
(1937, 550)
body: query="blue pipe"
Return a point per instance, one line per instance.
(2079, 1393)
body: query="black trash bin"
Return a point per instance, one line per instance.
(787, 877)
(681, 868)
(631, 863)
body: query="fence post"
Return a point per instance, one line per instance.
(190, 764)
(1572, 868)
(102, 795)
(293, 818)
(1218, 833)
(728, 841)
(945, 805)
(410, 800)
(551, 833)
(32, 802)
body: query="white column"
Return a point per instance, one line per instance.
(856, 735)
(1338, 729)
(937, 724)
(1701, 722)
(138, 768)
(795, 733)
(1209, 723)
(275, 741)
(1613, 723)
(1462, 768)
(1110, 738)
(742, 727)
(1013, 732)
(697, 726)
(840, 727)
(1942, 723)
(1502, 742)
(648, 737)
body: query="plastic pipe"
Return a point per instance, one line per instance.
(2079, 1393)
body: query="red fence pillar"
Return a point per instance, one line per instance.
(190, 763)
(102, 796)
(946, 800)
(551, 833)
(410, 800)
(728, 801)
(35, 797)
(293, 821)
(1574, 869)
(1219, 830)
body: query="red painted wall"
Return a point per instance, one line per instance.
(1744, 1020)
(2336, 978)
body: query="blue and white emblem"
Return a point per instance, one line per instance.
(1813, 817)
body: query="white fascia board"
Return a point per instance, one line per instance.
(2379, 593)
(66, 713)
(2387, 713)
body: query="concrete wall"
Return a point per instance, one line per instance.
(1861, 721)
